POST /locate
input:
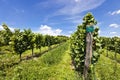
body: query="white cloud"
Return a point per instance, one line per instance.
(113, 32)
(1, 28)
(99, 31)
(18, 11)
(77, 0)
(114, 25)
(70, 32)
(74, 19)
(45, 29)
(70, 7)
(73, 7)
(11, 28)
(99, 24)
(114, 12)
(67, 35)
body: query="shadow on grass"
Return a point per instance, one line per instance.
(36, 55)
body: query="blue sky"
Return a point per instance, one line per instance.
(60, 16)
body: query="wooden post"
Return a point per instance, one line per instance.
(88, 55)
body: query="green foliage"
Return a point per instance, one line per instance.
(28, 38)
(22, 41)
(88, 19)
(111, 55)
(39, 41)
(42, 69)
(61, 38)
(5, 35)
(111, 44)
(96, 46)
(49, 40)
(19, 44)
(78, 48)
(78, 44)
(107, 69)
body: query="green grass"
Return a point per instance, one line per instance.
(56, 65)
(107, 69)
(111, 55)
(7, 57)
(53, 65)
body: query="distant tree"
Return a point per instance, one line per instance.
(39, 41)
(1, 38)
(49, 40)
(16, 33)
(6, 34)
(19, 44)
(32, 44)
(29, 39)
(62, 38)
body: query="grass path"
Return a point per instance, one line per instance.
(64, 70)
(9, 60)
(107, 69)
(111, 55)
(54, 65)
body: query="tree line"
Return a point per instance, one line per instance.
(111, 43)
(20, 41)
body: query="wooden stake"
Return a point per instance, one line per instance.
(88, 55)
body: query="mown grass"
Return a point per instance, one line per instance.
(53, 65)
(111, 55)
(56, 65)
(7, 57)
(107, 69)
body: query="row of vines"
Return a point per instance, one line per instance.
(20, 41)
(78, 45)
(111, 45)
